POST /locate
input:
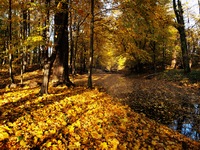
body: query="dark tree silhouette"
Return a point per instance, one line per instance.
(181, 29)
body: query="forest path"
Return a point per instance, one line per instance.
(120, 86)
(165, 102)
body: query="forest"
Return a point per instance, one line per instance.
(99, 74)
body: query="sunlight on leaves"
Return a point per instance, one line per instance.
(91, 119)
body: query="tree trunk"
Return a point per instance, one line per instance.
(153, 47)
(75, 48)
(24, 35)
(181, 29)
(60, 68)
(163, 56)
(83, 59)
(47, 72)
(59, 57)
(48, 61)
(46, 31)
(71, 37)
(91, 45)
(10, 43)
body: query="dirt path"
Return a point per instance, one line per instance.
(121, 86)
(166, 102)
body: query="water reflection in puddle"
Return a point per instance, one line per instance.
(189, 126)
(186, 129)
(196, 109)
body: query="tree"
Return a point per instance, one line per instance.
(143, 34)
(60, 54)
(91, 45)
(10, 43)
(24, 34)
(178, 10)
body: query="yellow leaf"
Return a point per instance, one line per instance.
(153, 143)
(77, 144)
(54, 147)
(4, 135)
(7, 128)
(59, 142)
(77, 137)
(114, 142)
(18, 133)
(23, 143)
(53, 131)
(96, 135)
(46, 132)
(104, 146)
(49, 121)
(64, 123)
(71, 129)
(35, 140)
(39, 133)
(78, 124)
(48, 144)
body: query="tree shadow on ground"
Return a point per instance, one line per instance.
(11, 111)
(61, 131)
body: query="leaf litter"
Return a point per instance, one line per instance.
(79, 118)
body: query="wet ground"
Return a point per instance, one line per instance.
(189, 124)
(173, 105)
